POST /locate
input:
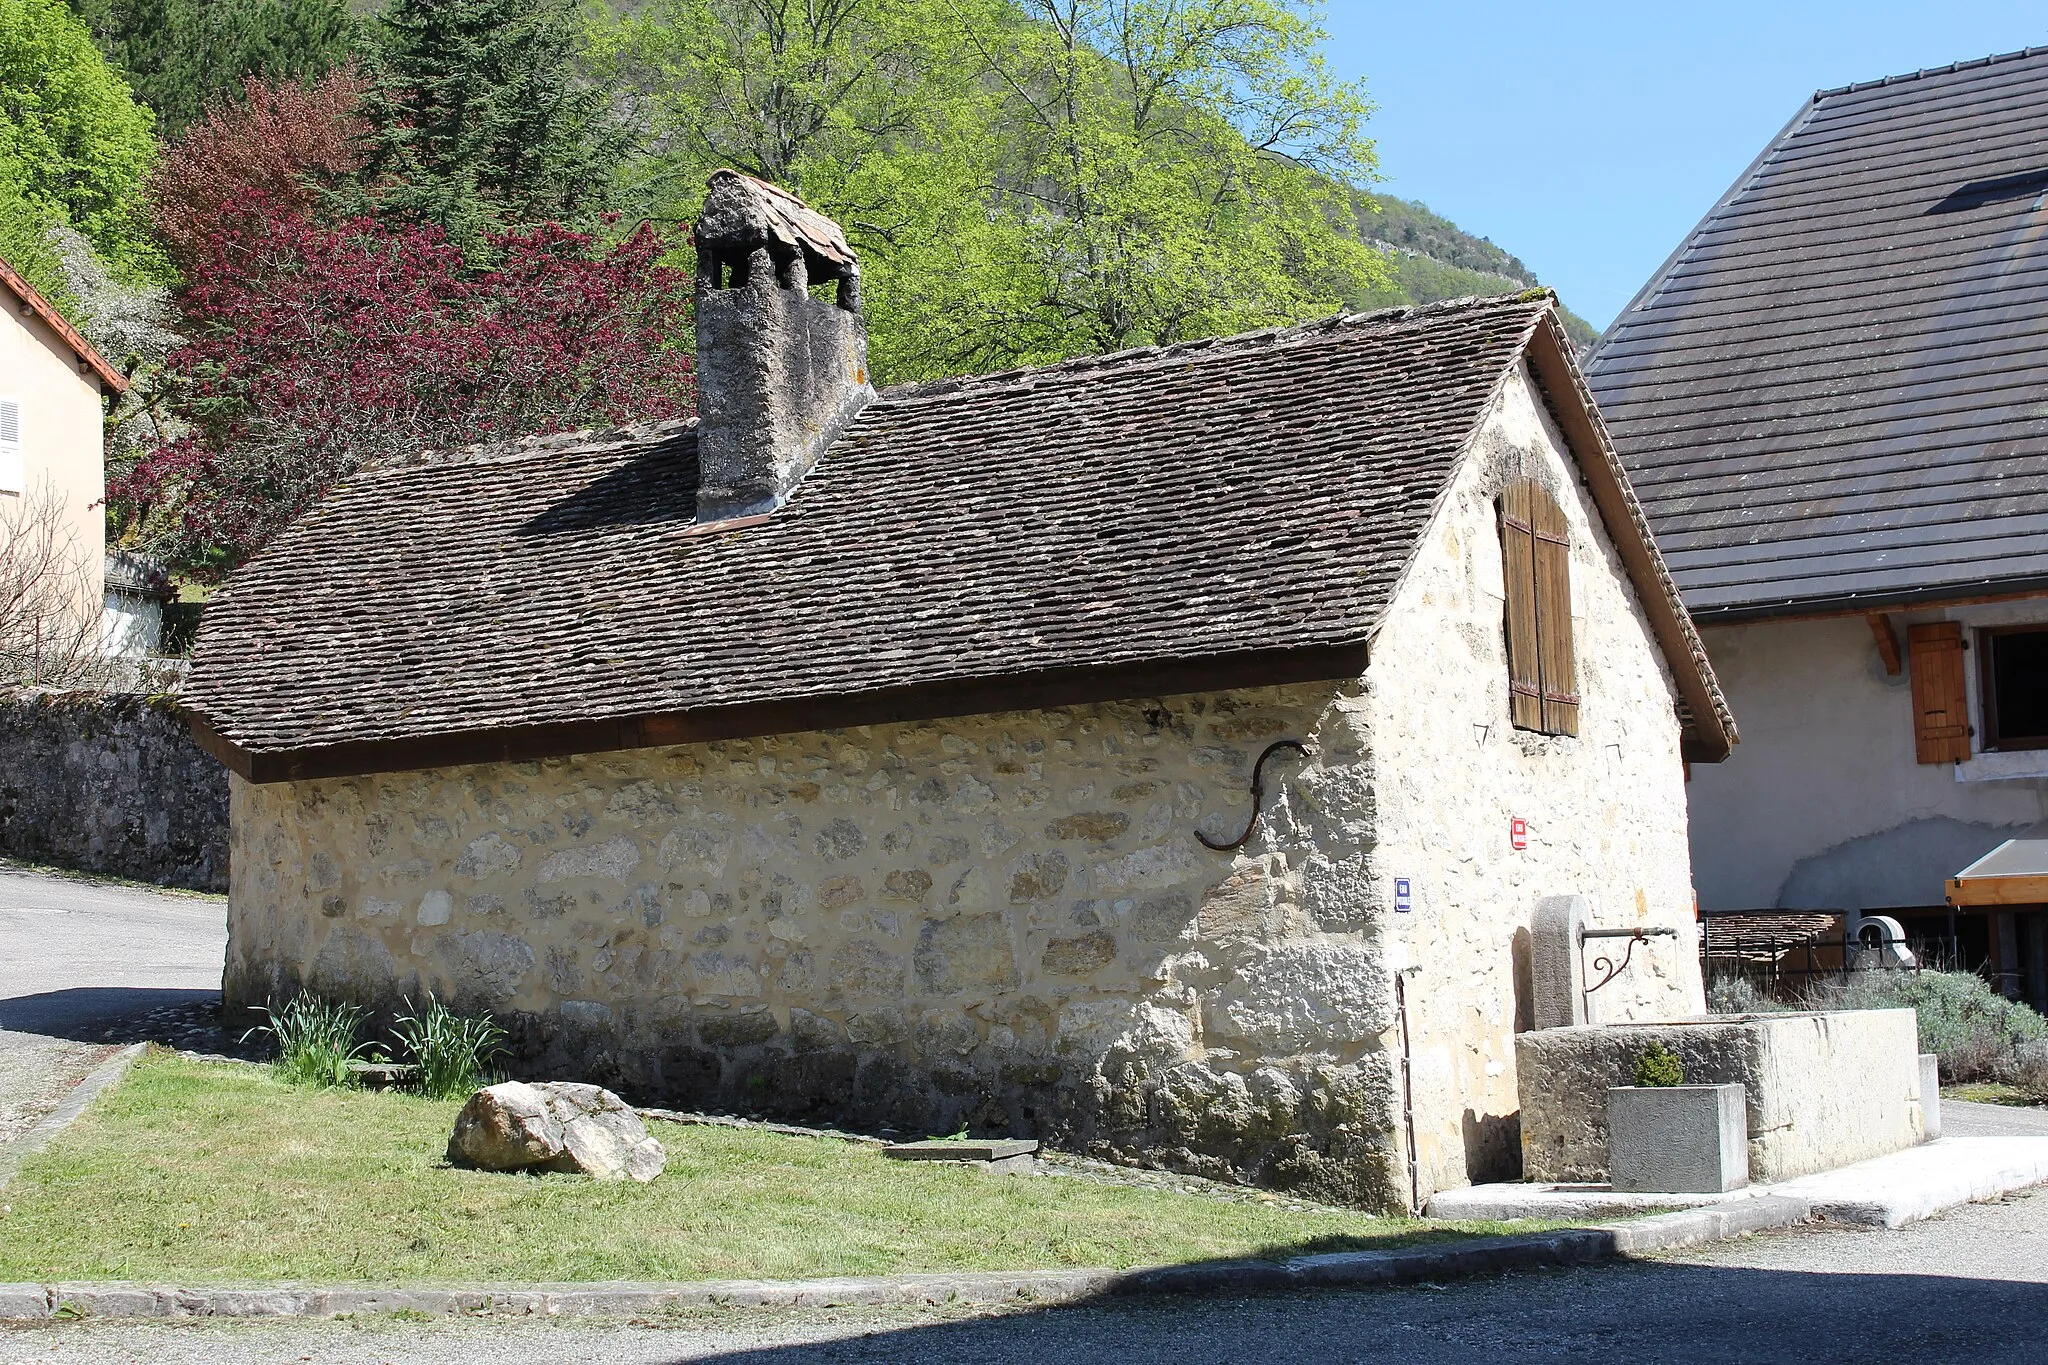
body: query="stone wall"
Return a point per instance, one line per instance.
(1605, 810)
(1004, 922)
(111, 784)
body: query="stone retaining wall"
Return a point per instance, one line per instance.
(114, 784)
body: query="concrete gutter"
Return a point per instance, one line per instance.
(65, 1114)
(1356, 1269)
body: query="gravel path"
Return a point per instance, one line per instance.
(36, 1073)
(81, 959)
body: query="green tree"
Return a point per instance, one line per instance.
(181, 55)
(25, 241)
(1026, 179)
(483, 118)
(74, 144)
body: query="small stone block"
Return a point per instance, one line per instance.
(1930, 1096)
(947, 1149)
(1677, 1139)
(382, 1075)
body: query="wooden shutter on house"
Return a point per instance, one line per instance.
(1536, 556)
(1518, 563)
(1941, 720)
(1554, 617)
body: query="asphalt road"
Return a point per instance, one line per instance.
(77, 956)
(1969, 1287)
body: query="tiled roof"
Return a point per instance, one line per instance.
(111, 379)
(1835, 393)
(1205, 501)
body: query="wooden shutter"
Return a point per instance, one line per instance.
(1554, 617)
(1536, 554)
(1941, 720)
(1518, 563)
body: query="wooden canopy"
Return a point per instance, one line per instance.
(2014, 873)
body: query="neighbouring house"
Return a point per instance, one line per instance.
(1833, 402)
(1162, 753)
(53, 387)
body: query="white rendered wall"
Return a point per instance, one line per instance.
(61, 435)
(1822, 805)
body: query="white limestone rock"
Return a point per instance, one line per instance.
(554, 1126)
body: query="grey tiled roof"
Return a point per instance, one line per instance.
(1836, 392)
(1256, 493)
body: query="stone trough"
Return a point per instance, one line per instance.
(1821, 1089)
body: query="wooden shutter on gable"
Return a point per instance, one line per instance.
(1536, 559)
(1518, 563)
(1553, 544)
(1941, 720)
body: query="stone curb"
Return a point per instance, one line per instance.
(1488, 1256)
(65, 1114)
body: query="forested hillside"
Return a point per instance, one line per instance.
(1431, 258)
(323, 233)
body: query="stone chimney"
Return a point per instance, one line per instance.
(780, 373)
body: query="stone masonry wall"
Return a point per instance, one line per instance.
(1002, 921)
(1605, 810)
(111, 784)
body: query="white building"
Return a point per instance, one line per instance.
(52, 463)
(1831, 401)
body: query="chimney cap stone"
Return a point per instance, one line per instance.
(745, 212)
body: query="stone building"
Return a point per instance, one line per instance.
(1160, 753)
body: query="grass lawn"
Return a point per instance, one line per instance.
(1990, 1092)
(194, 1173)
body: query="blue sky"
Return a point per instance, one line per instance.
(1588, 138)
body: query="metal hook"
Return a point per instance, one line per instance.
(1258, 794)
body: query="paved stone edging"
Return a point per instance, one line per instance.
(1488, 1256)
(65, 1114)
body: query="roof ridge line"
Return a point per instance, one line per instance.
(579, 441)
(919, 388)
(1951, 68)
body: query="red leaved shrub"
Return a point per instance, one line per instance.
(320, 348)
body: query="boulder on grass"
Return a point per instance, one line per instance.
(554, 1126)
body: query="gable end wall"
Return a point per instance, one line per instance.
(1605, 810)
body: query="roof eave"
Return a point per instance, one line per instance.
(1711, 734)
(1074, 686)
(1839, 605)
(32, 302)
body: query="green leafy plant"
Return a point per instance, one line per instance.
(1657, 1065)
(1978, 1034)
(452, 1052)
(316, 1039)
(1739, 995)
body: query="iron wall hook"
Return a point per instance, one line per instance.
(1258, 794)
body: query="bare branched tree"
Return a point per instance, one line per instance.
(50, 613)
